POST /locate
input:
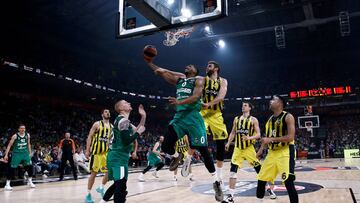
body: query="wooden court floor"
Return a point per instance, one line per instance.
(337, 181)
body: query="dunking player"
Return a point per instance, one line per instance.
(20, 155)
(246, 131)
(96, 150)
(155, 158)
(120, 146)
(214, 92)
(187, 120)
(280, 135)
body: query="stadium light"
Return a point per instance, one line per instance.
(221, 43)
(186, 13)
(170, 2)
(207, 28)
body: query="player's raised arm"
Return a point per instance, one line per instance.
(170, 76)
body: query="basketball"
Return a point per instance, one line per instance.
(149, 52)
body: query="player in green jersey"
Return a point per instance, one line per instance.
(187, 119)
(120, 146)
(20, 155)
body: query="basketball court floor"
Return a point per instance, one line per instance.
(331, 180)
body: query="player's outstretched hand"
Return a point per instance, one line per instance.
(142, 111)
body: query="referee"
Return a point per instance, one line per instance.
(67, 146)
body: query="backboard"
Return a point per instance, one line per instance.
(144, 17)
(308, 121)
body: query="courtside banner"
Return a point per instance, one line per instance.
(351, 153)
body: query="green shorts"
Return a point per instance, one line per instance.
(117, 171)
(20, 158)
(192, 124)
(153, 160)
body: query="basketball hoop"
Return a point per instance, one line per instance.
(172, 37)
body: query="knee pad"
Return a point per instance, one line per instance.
(233, 168)
(257, 168)
(260, 191)
(220, 150)
(291, 178)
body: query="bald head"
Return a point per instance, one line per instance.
(122, 106)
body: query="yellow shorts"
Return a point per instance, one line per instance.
(214, 123)
(280, 161)
(247, 154)
(97, 163)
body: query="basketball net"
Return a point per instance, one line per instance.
(172, 37)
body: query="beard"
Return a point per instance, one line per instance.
(209, 72)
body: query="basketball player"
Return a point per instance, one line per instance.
(246, 131)
(155, 158)
(21, 153)
(96, 150)
(182, 146)
(187, 120)
(67, 146)
(120, 146)
(280, 134)
(214, 92)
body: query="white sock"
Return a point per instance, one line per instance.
(176, 154)
(232, 192)
(219, 173)
(30, 179)
(8, 182)
(89, 191)
(101, 186)
(214, 177)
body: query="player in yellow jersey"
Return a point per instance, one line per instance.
(280, 135)
(182, 146)
(245, 131)
(214, 92)
(96, 149)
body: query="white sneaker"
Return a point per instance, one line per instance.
(46, 171)
(141, 177)
(155, 174)
(44, 176)
(185, 171)
(31, 184)
(8, 188)
(271, 194)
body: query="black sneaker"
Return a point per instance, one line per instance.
(174, 164)
(271, 193)
(219, 195)
(229, 199)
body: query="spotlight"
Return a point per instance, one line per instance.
(186, 13)
(207, 28)
(221, 43)
(170, 2)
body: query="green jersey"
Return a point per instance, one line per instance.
(21, 143)
(121, 142)
(184, 89)
(152, 154)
